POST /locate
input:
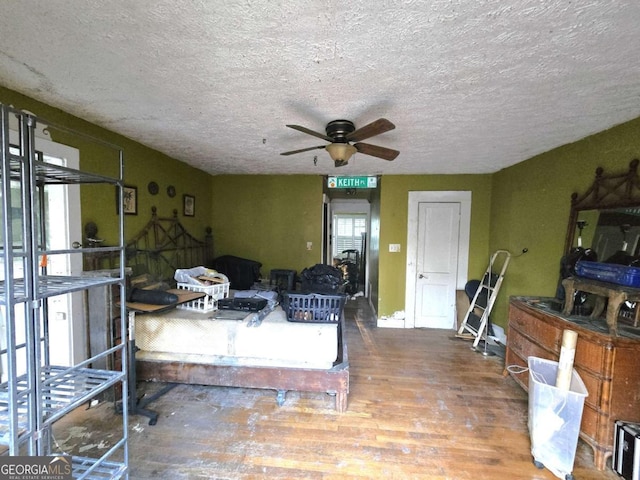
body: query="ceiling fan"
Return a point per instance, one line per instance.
(341, 132)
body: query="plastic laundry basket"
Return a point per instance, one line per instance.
(554, 417)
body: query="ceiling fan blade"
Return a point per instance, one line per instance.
(311, 132)
(374, 128)
(302, 150)
(376, 151)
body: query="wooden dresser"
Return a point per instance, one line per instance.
(609, 367)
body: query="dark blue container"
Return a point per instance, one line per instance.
(609, 272)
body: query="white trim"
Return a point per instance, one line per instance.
(75, 321)
(415, 198)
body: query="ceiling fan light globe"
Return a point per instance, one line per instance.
(340, 152)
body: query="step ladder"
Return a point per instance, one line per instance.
(484, 299)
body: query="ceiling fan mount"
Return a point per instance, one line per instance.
(339, 129)
(340, 134)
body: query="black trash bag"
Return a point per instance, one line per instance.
(322, 278)
(622, 258)
(568, 269)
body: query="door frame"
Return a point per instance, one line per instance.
(354, 206)
(73, 345)
(73, 317)
(415, 198)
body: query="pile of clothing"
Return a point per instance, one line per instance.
(322, 279)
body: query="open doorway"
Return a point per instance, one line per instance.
(64, 330)
(349, 240)
(350, 249)
(351, 230)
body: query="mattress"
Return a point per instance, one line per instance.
(194, 337)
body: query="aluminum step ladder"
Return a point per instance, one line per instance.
(484, 299)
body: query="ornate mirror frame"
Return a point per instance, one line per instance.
(607, 192)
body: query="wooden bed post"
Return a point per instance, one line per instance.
(208, 247)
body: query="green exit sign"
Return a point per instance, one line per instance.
(352, 182)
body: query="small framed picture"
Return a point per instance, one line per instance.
(129, 201)
(188, 205)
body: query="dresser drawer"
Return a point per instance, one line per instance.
(589, 423)
(594, 385)
(590, 356)
(542, 332)
(525, 348)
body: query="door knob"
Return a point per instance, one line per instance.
(76, 244)
(421, 276)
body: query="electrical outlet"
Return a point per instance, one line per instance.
(394, 247)
(309, 245)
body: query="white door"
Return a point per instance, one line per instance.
(436, 265)
(63, 226)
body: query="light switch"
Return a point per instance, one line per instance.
(394, 247)
(309, 245)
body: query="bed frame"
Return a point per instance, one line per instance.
(334, 381)
(163, 243)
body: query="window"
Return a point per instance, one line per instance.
(349, 232)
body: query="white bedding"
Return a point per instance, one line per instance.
(180, 335)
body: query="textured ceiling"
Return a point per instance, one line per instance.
(472, 86)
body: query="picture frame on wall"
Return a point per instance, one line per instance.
(188, 205)
(129, 200)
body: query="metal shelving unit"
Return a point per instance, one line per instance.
(34, 394)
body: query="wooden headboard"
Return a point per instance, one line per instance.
(164, 245)
(161, 247)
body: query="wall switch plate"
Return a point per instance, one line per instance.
(309, 245)
(394, 247)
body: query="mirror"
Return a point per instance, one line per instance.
(606, 218)
(604, 224)
(609, 232)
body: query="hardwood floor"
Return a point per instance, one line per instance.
(422, 405)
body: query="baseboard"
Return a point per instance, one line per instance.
(385, 322)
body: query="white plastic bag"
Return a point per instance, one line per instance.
(188, 275)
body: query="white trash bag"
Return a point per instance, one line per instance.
(194, 275)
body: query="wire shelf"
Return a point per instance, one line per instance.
(104, 470)
(48, 173)
(35, 394)
(63, 389)
(52, 285)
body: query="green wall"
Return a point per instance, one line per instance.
(142, 165)
(271, 218)
(268, 219)
(531, 201)
(393, 228)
